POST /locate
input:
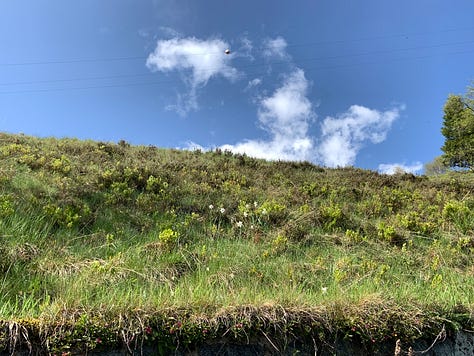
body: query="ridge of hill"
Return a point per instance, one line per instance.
(105, 244)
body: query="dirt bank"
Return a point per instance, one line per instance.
(459, 344)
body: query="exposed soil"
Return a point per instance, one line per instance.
(459, 344)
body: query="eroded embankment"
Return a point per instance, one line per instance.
(457, 344)
(452, 343)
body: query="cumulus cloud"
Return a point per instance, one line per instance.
(285, 116)
(287, 111)
(343, 136)
(200, 60)
(275, 48)
(392, 168)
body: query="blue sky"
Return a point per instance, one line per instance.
(338, 83)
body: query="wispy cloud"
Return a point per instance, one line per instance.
(193, 146)
(342, 137)
(170, 32)
(253, 83)
(392, 168)
(275, 48)
(202, 59)
(285, 116)
(245, 49)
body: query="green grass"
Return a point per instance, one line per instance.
(111, 242)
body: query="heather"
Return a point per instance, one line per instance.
(111, 244)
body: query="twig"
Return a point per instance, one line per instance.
(127, 340)
(270, 341)
(441, 335)
(398, 348)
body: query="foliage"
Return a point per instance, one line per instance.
(168, 236)
(458, 129)
(107, 244)
(436, 166)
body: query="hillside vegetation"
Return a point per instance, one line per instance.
(105, 244)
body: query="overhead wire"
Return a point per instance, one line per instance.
(301, 44)
(300, 60)
(119, 76)
(68, 61)
(295, 61)
(170, 81)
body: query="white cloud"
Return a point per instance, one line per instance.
(170, 32)
(392, 168)
(193, 146)
(287, 111)
(253, 83)
(343, 136)
(285, 115)
(275, 48)
(245, 49)
(185, 103)
(203, 59)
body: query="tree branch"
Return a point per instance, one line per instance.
(469, 107)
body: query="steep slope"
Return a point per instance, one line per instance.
(108, 244)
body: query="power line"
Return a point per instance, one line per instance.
(86, 87)
(252, 65)
(162, 82)
(307, 69)
(372, 38)
(68, 61)
(302, 44)
(75, 79)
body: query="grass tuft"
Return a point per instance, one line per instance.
(113, 245)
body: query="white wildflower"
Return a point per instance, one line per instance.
(246, 214)
(240, 224)
(222, 210)
(324, 289)
(211, 207)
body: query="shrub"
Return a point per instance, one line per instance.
(388, 233)
(168, 237)
(69, 215)
(119, 193)
(272, 211)
(6, 206)
(459, 213)
(333, 218)
(417, 222)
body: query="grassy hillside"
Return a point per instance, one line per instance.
(102, 244)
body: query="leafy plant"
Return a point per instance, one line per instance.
(458, 213)
(168, 237)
